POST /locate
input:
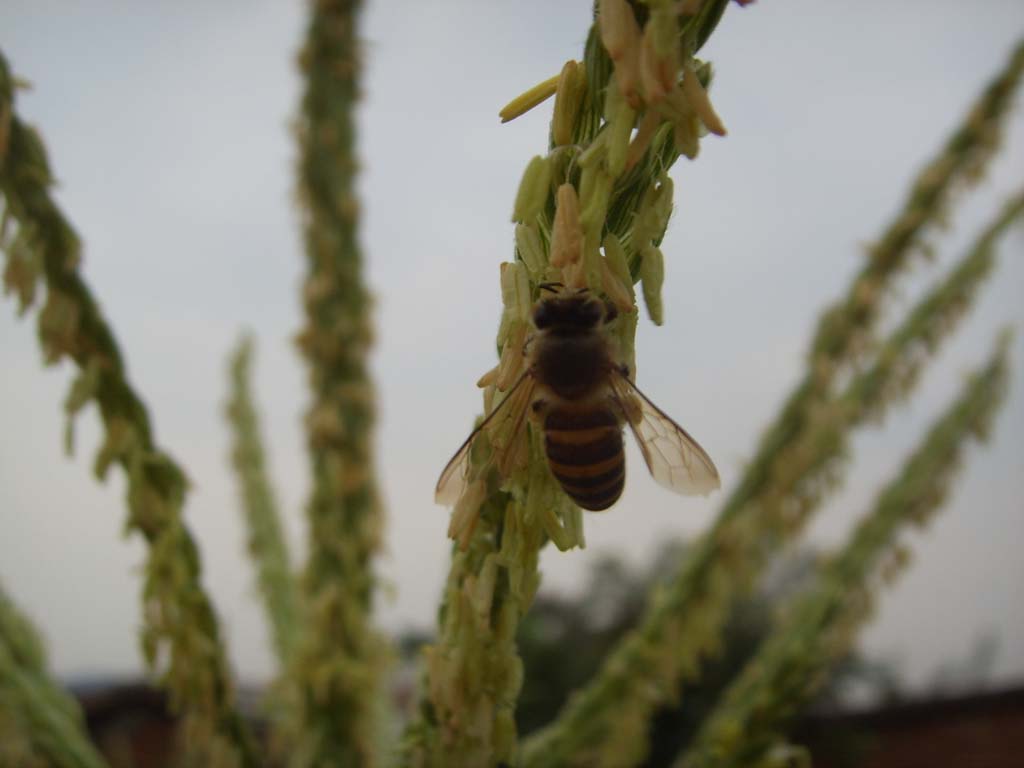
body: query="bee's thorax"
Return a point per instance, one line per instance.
(573, 366)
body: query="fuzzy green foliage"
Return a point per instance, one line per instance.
(820, 625)
(338, 663)
(40, 724)
(180, 636)
(793, 468)
(267, 545)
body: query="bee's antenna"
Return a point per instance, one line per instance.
(553, 287)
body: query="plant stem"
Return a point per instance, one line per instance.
(820, 626)
(339, 660)
(180, 627)
(599, 188)
(47, 722)
(684, 623)
(267, 545)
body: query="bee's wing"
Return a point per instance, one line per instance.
(674, 459)
(455, 477)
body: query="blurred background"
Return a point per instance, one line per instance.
(168, 129)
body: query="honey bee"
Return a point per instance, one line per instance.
(582, 398)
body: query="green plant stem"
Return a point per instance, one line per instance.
(180, 628)
(684, 622)
(267, 545)
(821, 625)
(339, 659)
(47, 720)
(473, 672)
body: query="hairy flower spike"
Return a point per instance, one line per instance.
(40, 724)
(820, 625)
(596, 188)
(792, 470)
(267, 545)
(180, 636)
(337, 663)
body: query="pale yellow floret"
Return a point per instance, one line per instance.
(572, 83)
(698, 99)
(527, 100)
(567, 235)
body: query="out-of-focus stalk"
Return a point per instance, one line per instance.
(821, 625)
(180, 636)
(773, 499)
(39, 723)
(267, 545)
(338, 662)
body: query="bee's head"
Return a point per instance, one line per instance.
(567, 310)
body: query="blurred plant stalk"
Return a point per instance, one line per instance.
(40, 724)
(792, 470)
(338, 662)
(180, 636)
(266, 543)
(819, 627)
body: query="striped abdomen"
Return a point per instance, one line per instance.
(584, 449)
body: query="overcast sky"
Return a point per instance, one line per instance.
(168, 129)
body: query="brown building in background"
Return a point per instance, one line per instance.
(134, 729)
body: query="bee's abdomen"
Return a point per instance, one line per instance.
(584, 449)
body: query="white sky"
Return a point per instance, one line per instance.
(167, 126)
